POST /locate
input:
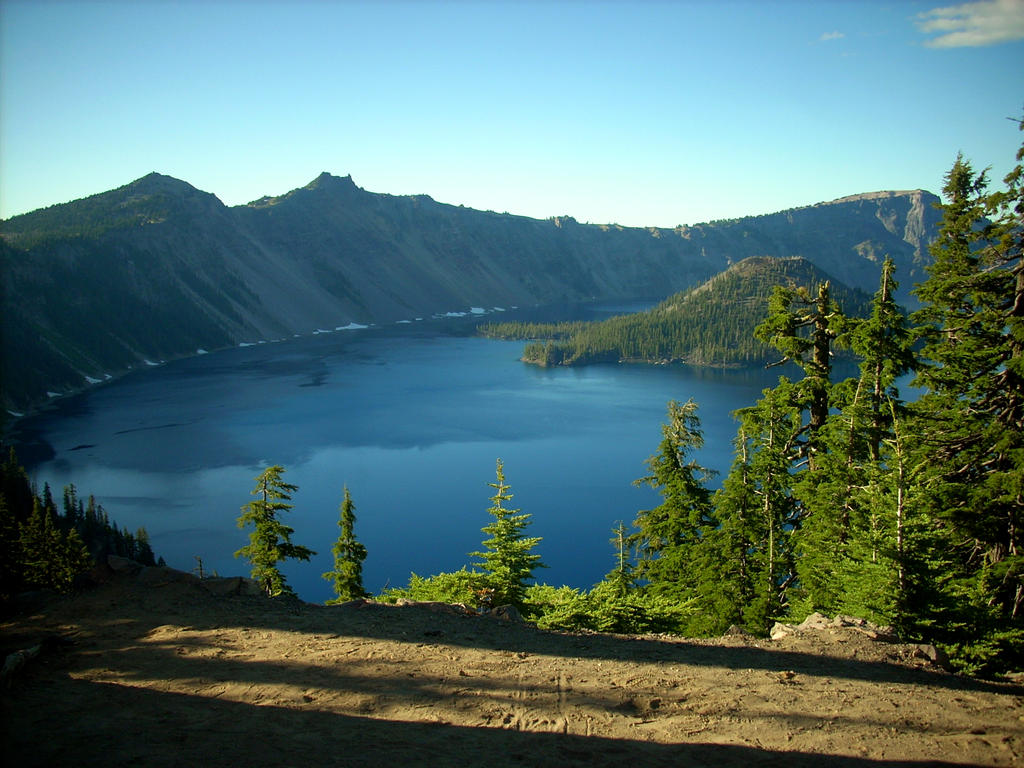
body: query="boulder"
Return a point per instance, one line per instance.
(816, 621)
(780, 630)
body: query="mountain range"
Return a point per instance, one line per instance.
(158, 269)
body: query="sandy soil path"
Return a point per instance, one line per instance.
(171, 675)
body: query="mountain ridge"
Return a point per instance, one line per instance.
(157, 268)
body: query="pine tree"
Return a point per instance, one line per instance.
(772, 427)
(270, 540)
(803, 325)
(10, 552)
(49, 557)
(885, 346)
(507, 560)
(836, 512)
(667, 535)
(349, 555)
(621, 577)
(143, 549)
(38, 545)
(16, 488)
(972, 416)
(726, 578)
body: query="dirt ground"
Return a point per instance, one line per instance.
(168, 674)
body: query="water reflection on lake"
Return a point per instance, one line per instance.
(412, 422)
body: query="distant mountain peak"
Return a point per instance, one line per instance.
(328, 181)
(881, 195)
(154, 183)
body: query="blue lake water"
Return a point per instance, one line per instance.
(411, 420)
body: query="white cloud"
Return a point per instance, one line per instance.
(831, 36)
(984, 22)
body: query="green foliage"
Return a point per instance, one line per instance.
(460, 586)
(712, 324)
(667, 535)
(270, 540)
(605, 609)
(11, 573)
(44, 547)
(349, 554)
(996, 651)
(507, 560)
(50, 558)
(622, 577)
(970, 421)
(523, 331)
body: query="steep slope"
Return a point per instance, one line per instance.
(158, 269)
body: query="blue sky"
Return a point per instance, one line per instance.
(639, 113)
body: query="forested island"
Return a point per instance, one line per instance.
(843, 497)
(712, 324)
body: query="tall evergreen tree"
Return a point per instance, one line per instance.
(50, 557)
(10, 552)
(745, 567)
(885, 346)
(270, 540)
(16, 488)
(802, 324)
(727, 582)
(772, 426)
(507, 561)
(349, 554)
(667, 535)
(972, 415)
(835, 510)
(143, 549)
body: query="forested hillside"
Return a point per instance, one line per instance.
(712, 324)
(158, 269)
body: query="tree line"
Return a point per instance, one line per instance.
(46, 546)
(712, 324)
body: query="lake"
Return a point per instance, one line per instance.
(410, 418)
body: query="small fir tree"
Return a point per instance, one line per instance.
(270, 540)
(349, 554)
(621, 577)
(508, 562)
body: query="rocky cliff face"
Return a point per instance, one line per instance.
(158, 269)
